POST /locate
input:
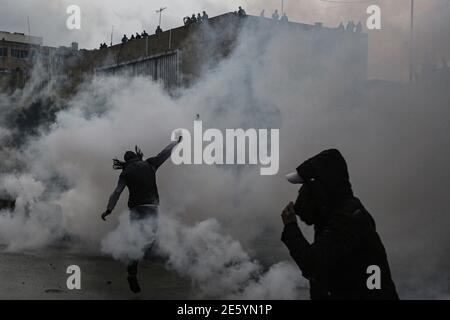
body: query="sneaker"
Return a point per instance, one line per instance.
(134, 285)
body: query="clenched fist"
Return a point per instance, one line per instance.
(288, 214)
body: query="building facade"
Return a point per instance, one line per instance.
(16, 54)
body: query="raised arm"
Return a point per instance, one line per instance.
(162, 157)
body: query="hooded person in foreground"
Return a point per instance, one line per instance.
(140, 178)
(339, 263)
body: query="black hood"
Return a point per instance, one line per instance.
(327, 175)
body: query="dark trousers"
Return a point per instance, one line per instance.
(137, 214)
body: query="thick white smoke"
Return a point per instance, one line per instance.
(71, 163)
(394, 141)
(130, 240)
(220, 267)
(216, 263)
(34, 223)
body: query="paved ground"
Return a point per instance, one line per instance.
(42, 275)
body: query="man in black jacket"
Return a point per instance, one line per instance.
(140, 178)
(346, 248)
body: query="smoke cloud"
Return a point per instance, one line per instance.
(220, 268)
(214, 219)
(130, 240)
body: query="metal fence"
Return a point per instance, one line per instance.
(164, 68)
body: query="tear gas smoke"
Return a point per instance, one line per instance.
(131, 238)
(217, 264)
(395, 140)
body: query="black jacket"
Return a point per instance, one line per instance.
(346, 242)
(140, 178)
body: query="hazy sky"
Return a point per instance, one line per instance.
(389, 48)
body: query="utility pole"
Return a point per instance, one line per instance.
(112, 33)
(411, 46)
(160, 14)
(29, 27)
(282, 7)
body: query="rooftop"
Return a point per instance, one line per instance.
(20, 38)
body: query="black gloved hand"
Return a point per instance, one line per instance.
(288, 215)
(105, 214)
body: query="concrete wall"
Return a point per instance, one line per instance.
(197, 47)
(179, 54)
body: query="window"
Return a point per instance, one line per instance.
(3, 52)
(15, 53)
(19, 54)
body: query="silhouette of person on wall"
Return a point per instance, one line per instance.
(275, 15)
(350, 26)
(359, 27)
(241, 12)
(205, 16)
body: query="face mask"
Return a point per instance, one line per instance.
(305, 206)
